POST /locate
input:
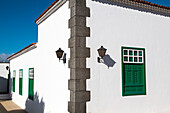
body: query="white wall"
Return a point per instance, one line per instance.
(50, 75)
(113, 26)
(25, 61)
(4, 77)
(52, 34)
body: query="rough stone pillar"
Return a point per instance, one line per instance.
(78, 54)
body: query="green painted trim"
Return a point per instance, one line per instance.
(144, 68)
(20, 82)
(13, 84)
(122, 70)
(8, 82)
(30, 85)
(14, 71)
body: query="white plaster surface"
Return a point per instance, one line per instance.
(113, 26)
(50, 75)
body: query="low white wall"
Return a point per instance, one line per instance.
(50, 75)
(113, 26)
(4, 77)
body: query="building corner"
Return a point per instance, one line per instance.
(78, 54)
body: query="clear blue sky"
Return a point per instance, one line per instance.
(17, 27)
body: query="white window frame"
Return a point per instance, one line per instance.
(14, 73)
(133, 56)
(31, 73)
(21, 74)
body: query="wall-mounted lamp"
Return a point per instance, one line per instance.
(59, 54)
(7, 67)
(101, 52)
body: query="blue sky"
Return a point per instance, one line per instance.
(160, 2)
(17, 27)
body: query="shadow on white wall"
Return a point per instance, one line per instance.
(4, 85)
(108, 61)
(35, 106)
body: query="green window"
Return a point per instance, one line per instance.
(20, 81)
(14, 75)
(31, 84)
(133, 71)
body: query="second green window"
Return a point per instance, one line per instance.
(20, 81)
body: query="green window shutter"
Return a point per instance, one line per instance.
(20, 81)
(31, 84)
(133, 71)
(14, 75)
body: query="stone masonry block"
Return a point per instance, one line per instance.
(79, 96)
(77, 21)
(77, 63)
(79, 52)
(73, 42)
(77, 3)
(80, 73)
(77, 107)
(82, 42)
(82, 62)
(77, 42)
(80, 11)
(69, 63)
(80, 31)
(77, 85)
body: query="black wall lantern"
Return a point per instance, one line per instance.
(101, 52)
(59, 54)
(7, 67)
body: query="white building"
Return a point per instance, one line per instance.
(4, 81)
(133, 76)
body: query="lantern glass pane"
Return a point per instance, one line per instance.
(59, 54)
(101, 53)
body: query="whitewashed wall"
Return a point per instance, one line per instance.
(113, 26)
(52, 34)
(25, 61)
(4, 77)
(50, 75)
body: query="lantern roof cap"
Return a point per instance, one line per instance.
(101, 48)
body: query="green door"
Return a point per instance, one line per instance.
(31, 84)
(14, 75)
(133, 71)
(20, 81)
(134, 79)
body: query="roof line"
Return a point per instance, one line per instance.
(46, 10)
(138, 1)
(20, 51)
(152, 4)
(4, 62)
